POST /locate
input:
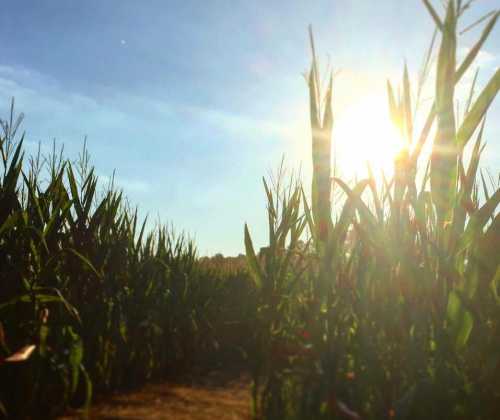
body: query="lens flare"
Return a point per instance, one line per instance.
(363, 133)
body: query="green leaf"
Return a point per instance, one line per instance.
(478, 110)
(495, 285)
(474, 51)
(478, 220)
(27, 298)
(309, 218)
(74, 193)
(85, 261)
(393, 106)
(461, 320)
(253, 264)
(434, 15)
(444, 156)
(75, 360)
(88, 388)
(408, 120)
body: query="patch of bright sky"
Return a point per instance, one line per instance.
(192, 103)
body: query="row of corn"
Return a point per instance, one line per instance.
(89, 301)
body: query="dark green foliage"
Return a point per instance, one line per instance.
(103, 303)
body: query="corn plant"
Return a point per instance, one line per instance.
(402, 321)
(90, 299)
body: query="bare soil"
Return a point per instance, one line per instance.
(210, 396)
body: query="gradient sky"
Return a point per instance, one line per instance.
(193, 102)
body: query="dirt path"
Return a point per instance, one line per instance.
(210, 397)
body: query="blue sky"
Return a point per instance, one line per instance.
(193, 102)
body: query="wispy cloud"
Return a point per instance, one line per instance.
(239, 126)
(129, 185)
(67, 115)
(52, 112)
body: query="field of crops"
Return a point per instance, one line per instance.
(371, 300)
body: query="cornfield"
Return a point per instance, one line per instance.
(392, 310)
(382, 304)
(90, 302)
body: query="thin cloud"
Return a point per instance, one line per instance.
(237, 125)
(129, 185)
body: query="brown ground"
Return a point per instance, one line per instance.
(211, 396)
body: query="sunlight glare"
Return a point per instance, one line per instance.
(363, 132)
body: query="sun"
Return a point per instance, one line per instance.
(363, 133)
